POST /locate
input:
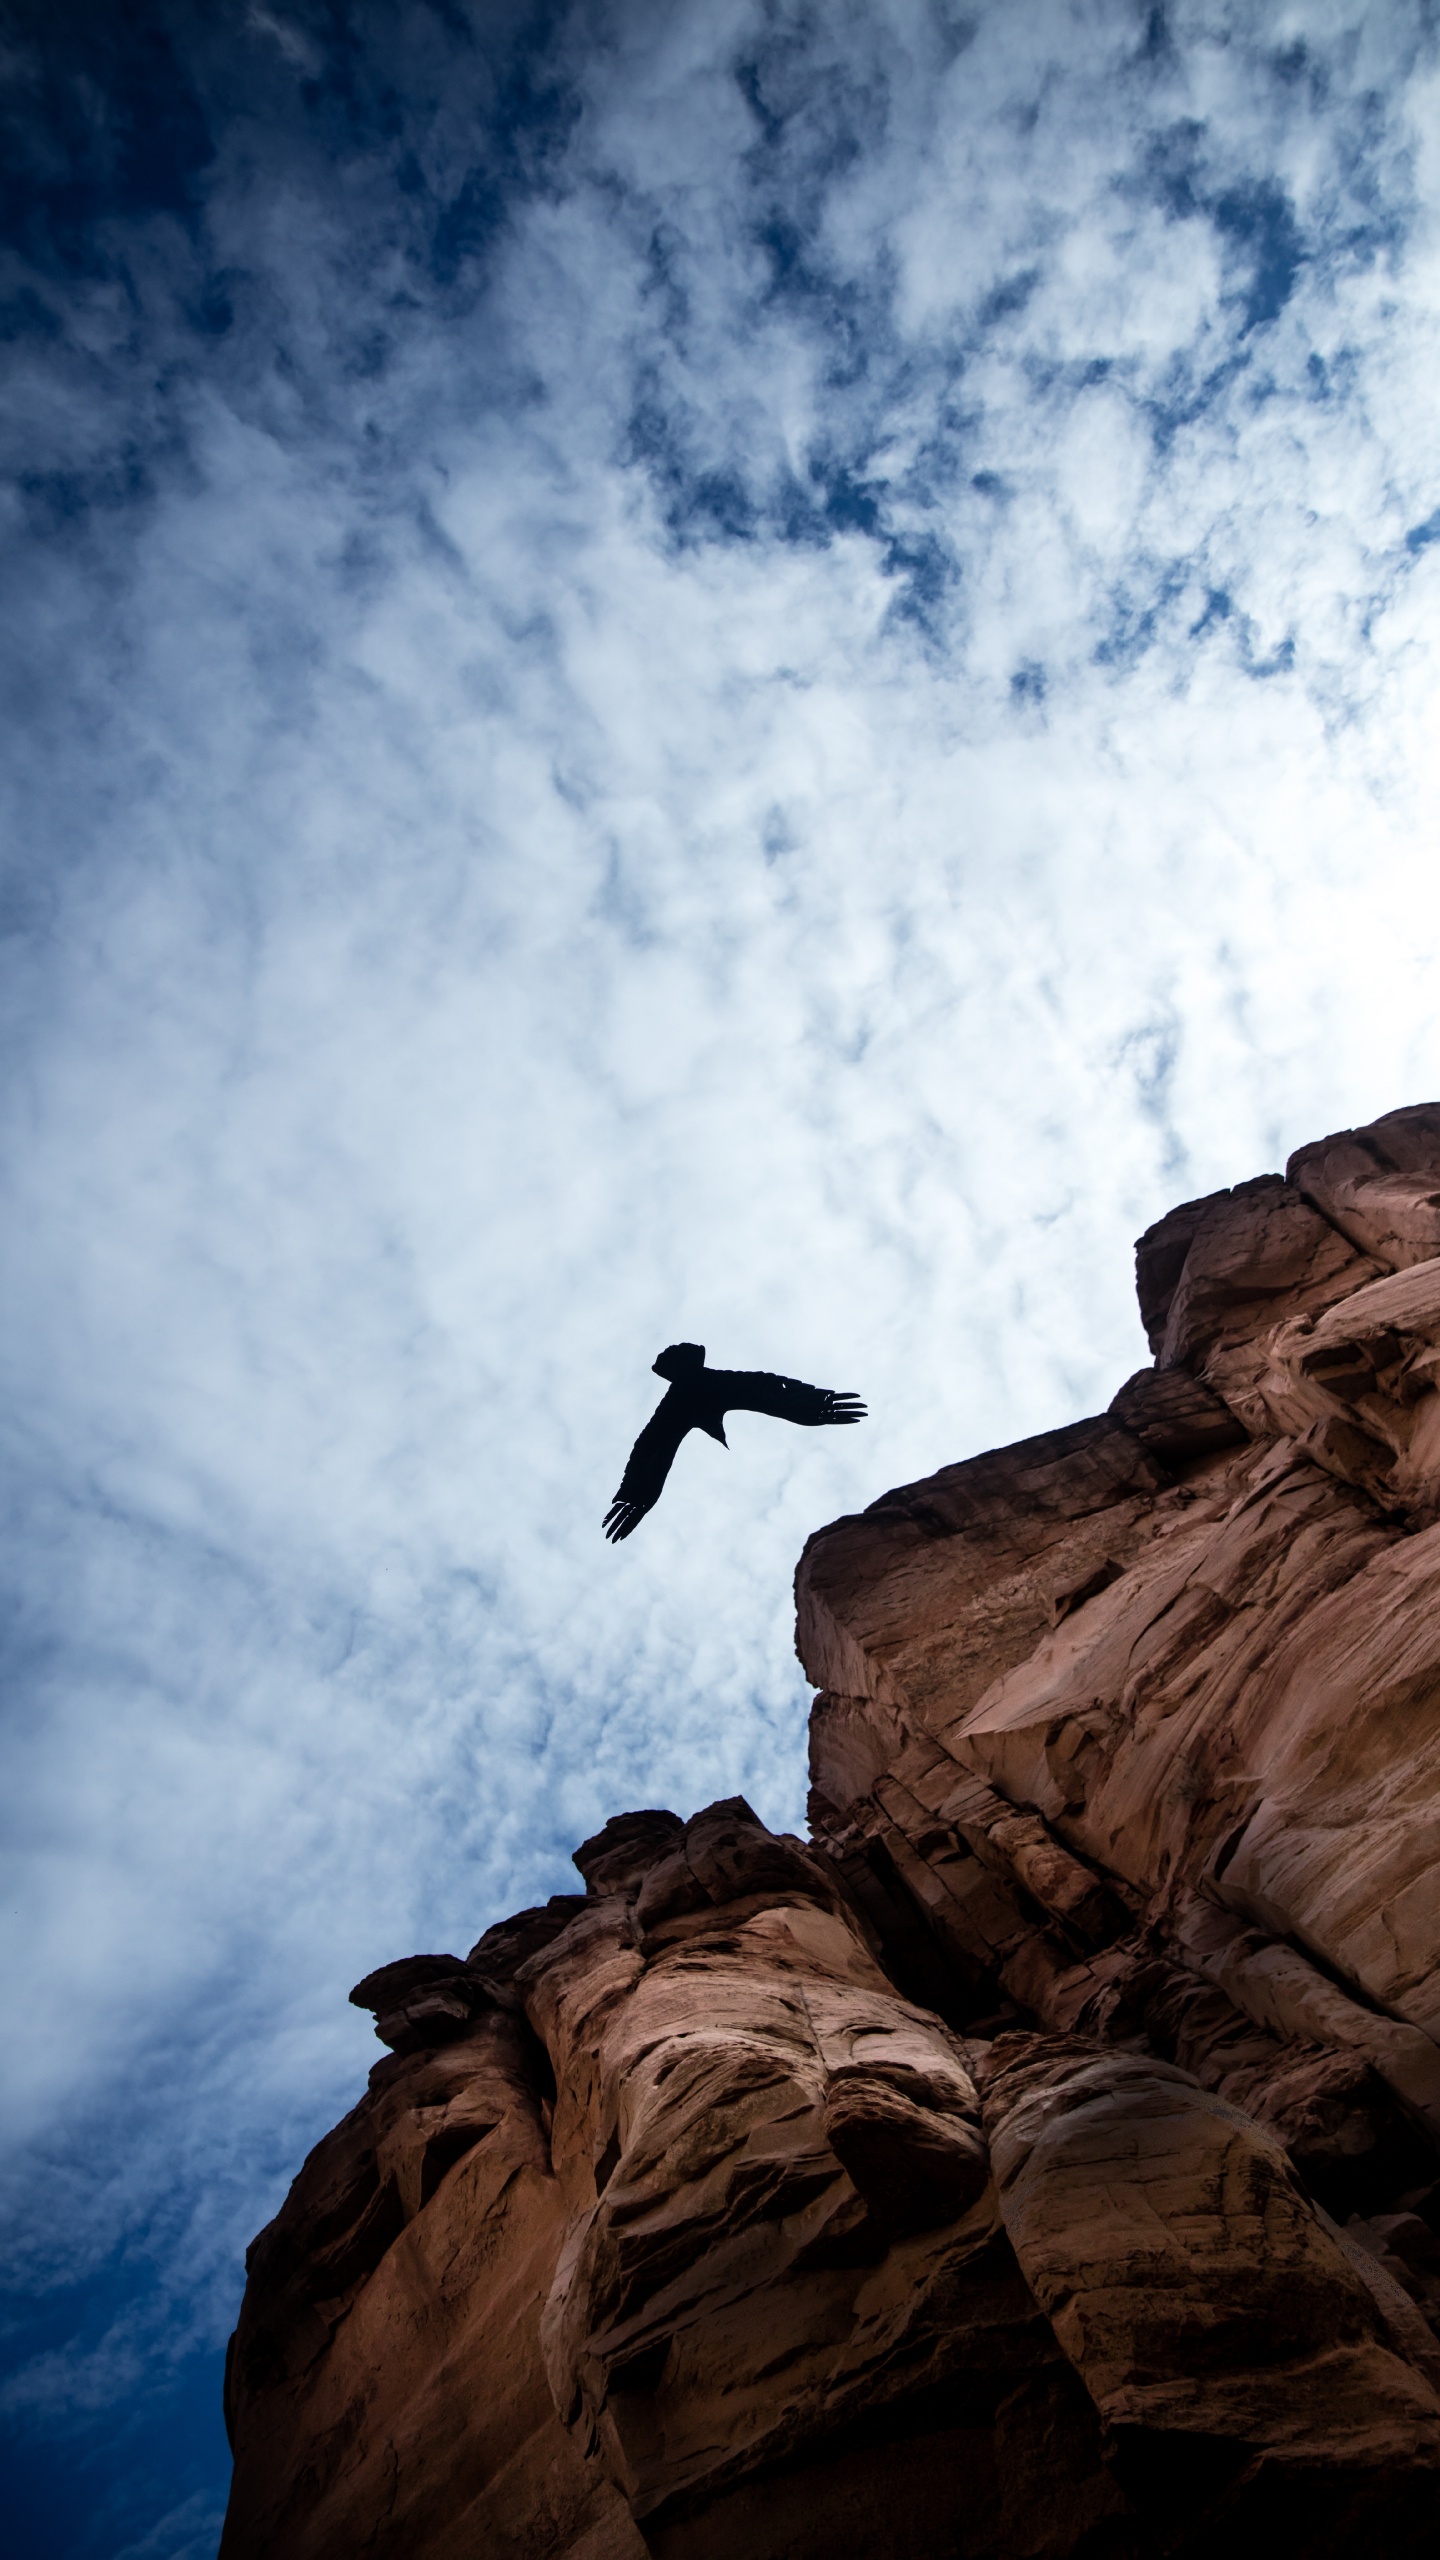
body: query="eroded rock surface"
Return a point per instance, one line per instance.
(1044, 2158)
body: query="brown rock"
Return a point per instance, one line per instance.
(1160, 1259)
(421, 2001)
(1175, 1415)
(1378, 1186)
(1225, 2336)
(1255, 1255)
(626, 1849)
(1356, 1386)
(700, 2088)
(497, 1956)
(668, 2224)
(938, 1587)
(385, 2386)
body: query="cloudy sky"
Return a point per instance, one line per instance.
(710, 668)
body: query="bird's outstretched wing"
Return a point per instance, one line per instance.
(789, 1399)
(649, 1464)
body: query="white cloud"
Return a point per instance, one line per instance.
(489, 920)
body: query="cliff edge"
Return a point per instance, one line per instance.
(1043, 2160)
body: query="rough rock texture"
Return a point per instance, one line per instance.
(1045, 2158)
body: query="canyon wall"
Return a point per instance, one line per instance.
(1044, 2159)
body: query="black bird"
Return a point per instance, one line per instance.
(699, 1400)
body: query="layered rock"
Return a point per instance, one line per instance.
(1041, 2160)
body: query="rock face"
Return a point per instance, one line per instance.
(1044, 2160)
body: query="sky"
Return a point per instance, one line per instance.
(733, 671)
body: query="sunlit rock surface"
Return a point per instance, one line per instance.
(1044, 2159)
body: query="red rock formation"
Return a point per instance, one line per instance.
(1045, 2160)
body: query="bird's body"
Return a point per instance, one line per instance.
(698, 1400)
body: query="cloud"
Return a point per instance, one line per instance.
(676, 673)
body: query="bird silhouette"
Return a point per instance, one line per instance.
(698, 1400)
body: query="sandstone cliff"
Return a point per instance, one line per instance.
(1045, 2159)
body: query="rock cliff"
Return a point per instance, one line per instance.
(1042, 2161)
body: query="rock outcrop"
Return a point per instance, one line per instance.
(1044, 2159)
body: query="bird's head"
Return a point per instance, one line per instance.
(680, 1360)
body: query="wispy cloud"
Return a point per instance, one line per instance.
(672, 672)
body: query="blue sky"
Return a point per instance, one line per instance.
(729, 671)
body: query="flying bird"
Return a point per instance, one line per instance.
(698, 1400)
